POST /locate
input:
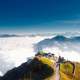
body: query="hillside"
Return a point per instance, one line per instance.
(67, 73)
(45, 66)
(37, 69)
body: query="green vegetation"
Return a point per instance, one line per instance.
(77, 71)
(46, 61)
(47, 68)
(66, 71)
(41, 52)
(44, 69)
(40, 69)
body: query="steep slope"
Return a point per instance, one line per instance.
(37, 69)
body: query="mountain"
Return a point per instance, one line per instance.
(44, 68)
(57, 39)
(67, 47)
(34, 70)
(8, 35)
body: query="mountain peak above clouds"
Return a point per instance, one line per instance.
(61, 45)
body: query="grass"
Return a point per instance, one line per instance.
(41, 69)
(64, 76)
(66, 71)
(50, 63)
(77, 71)
(46, 61)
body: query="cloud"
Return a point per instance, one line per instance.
(63, 46)
(15, 50)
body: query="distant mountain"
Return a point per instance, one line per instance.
(8, 35)
(58, 40)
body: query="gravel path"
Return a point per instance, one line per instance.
(57, 76)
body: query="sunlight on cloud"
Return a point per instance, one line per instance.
(1, 74)
(68, 55)
(15, 50)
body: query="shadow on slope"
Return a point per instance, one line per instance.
(35, 70)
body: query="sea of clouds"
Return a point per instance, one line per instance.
(16, 50)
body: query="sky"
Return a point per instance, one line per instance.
(39, 16)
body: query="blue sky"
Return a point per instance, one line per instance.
(33, 16)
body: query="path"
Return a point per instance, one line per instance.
(57, 75)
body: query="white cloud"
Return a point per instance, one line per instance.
(15, 50)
